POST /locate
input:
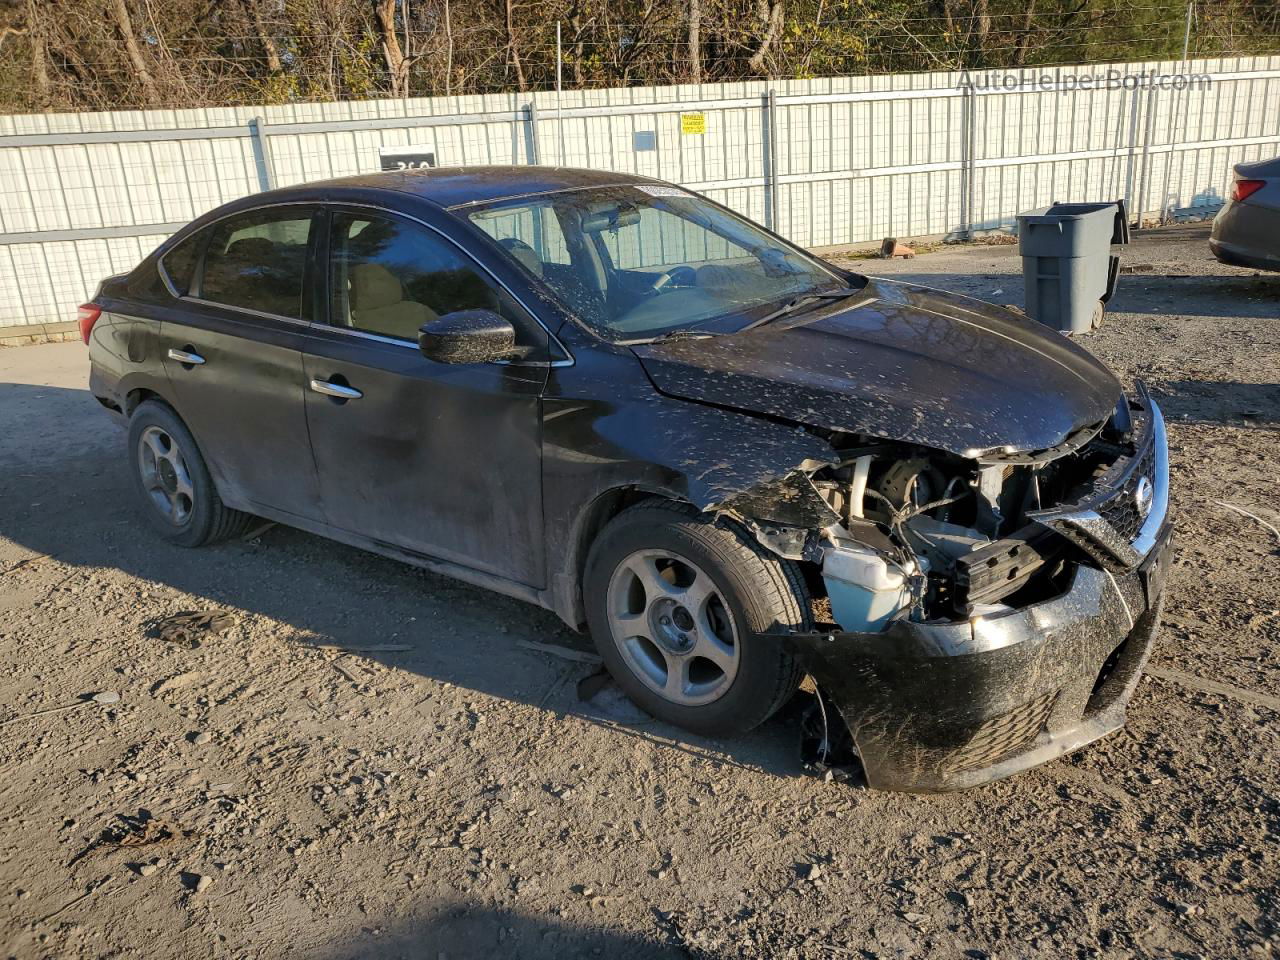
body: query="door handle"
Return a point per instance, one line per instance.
(184, 356)
(335, 390)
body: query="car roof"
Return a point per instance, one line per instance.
(456, 186)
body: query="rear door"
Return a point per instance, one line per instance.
(235, 359)
(439, 459)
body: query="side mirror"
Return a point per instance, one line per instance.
(468, 336)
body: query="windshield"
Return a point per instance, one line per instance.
(640, 261)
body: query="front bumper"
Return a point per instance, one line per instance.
(942, 706)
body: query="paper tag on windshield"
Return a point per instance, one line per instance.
(657, 191)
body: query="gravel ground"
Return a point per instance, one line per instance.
(440, 791)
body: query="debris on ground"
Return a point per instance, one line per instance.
(193, 627)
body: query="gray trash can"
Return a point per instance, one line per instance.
(1067, 266)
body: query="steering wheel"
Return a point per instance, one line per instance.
(682, 274)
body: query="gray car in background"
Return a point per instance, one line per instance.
(1246, 232)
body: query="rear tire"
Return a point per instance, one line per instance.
(678, 607)
(172, 482)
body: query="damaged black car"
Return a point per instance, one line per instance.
(732, 461)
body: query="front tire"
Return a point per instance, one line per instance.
(679, 607)
(172, 481)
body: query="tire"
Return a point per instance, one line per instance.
(172, 483)
(654, 653)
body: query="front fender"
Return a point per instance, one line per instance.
(638, 440)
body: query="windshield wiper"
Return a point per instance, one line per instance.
(684, 333)
(793, 305)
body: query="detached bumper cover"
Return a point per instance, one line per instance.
(943, 706)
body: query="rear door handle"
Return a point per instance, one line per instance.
(183, 356)
(335, 390)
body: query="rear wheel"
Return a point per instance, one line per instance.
(679, 607)
(173, 483)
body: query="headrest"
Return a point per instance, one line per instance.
(374, 286)
(524, 253)
(252, 248)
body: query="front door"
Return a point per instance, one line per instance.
(439, 459)
(233, 355)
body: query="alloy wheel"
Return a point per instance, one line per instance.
(165, 476)
(673, 628)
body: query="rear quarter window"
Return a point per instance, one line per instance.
(179, 264)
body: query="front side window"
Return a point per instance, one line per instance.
(531, 233)
(390, 276)
(636, 262)
(257, 261)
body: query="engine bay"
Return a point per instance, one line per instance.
(939, 537)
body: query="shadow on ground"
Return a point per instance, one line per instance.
(1244, 405)
(65, 493)
(465, 931)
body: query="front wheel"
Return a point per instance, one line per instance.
(688, 615)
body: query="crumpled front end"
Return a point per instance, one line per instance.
(985, 613)
(936, 707)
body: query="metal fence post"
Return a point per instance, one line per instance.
(968, 151)
(262, 153)
(1149, 134)
(1177, 112)
(532, 148)
(1132, 173)
(770, 127)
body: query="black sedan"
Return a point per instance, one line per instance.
(734, 462)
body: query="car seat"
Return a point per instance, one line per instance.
(378, 304)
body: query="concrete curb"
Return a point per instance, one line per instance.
(29, 333)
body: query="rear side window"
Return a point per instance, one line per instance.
(257, 261)
(179, 264)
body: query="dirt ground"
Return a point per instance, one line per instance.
(258, 792)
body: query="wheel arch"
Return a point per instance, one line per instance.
(140, 395)
(134, 394)
(588, 524)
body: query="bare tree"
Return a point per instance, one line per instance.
(269, 47)
(695, 41)
(513, 47)
(397, 65)
(124, 24)
(39, 56)
(1024, 34)
(981, 30)
(579, 40)
(772, 14)
(448, 60)
(110, 54)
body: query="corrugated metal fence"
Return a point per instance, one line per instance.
(824, 162)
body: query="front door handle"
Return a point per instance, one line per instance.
(336, 390)
(185, 356)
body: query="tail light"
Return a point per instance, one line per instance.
(1244, 189)
(87, 315)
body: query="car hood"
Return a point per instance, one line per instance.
(900, 362)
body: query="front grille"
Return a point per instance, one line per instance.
(1121, 511)
(1003, 735)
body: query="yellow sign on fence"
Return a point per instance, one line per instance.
(695, 123)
